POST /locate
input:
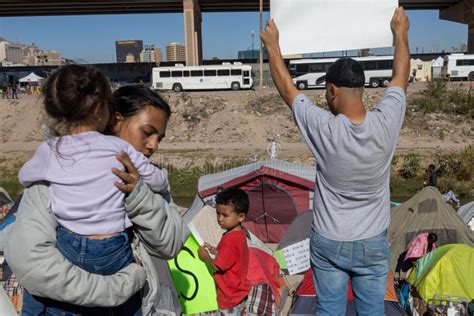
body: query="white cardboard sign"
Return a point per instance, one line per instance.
(297, 257)
(313, 26)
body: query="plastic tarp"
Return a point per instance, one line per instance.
(449, 270)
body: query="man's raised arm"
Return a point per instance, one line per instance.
(401, 59)
(280, 75)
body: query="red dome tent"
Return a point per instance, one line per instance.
(278, 192)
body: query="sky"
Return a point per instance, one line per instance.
(91, 39)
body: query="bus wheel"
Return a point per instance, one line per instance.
(177, 87)
(471, 76)
(235, 86)
(385, 82)
(302, 85)
(374, 83)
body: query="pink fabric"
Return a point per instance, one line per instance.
(418, 247)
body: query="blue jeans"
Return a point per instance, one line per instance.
(104, 257)
(365, 262)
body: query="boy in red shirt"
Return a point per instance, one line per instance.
(232, 254)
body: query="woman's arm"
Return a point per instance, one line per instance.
(31, 252)
(157, 222)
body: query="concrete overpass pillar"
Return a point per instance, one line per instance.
(470, 38)
(463, 12)
(192, 32)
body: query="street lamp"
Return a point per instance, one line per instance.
(253, 33)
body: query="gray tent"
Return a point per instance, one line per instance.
(4, 197)
(466, 213)
(425, 212)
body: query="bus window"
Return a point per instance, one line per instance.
(223, 72)
(186, 73)
(209, 73)
(369, 65)
(246, 73)
(317, 67)
(302, 68)
(176, 74)
(293, 70)
(327, 65)
(196, 73)
(384, 64)
(236, 72)
(165, 74)
(464, 62)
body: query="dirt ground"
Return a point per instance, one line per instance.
(210, 127)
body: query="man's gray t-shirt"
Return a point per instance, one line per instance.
(352, 194)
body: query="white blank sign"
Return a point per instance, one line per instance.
(313, 26)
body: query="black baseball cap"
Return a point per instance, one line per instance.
(346, 72)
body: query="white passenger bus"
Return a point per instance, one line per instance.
(458, 67)
(226, 76)
(311, 73)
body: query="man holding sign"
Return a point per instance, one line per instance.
(353, 149)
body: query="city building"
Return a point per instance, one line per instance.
(175, 52)
(10, 53)
(130, 58)
(151, 54)
(15, 54)
(123, 48)
(53, 58)
(252, 54)
(30, 53)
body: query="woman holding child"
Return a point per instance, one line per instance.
(79, 218)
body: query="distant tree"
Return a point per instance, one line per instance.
(461, 48)
(215, 58)
(364, 52)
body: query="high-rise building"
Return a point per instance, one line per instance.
(123, 48)
(11, 52)
(175, 52)
(151, 54)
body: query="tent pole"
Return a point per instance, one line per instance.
(261, 51)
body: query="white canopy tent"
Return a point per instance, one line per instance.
(32, 78)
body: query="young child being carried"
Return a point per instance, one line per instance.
(77, 164)
(232, 254)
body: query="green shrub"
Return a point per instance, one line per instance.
(411, 166)
(437, 97)
(459, 166)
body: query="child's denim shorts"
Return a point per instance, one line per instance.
(104, 256)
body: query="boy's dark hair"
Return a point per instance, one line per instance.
(72, 93)
(431, 167)
(346, 72)
(131, 99)
(235, 197)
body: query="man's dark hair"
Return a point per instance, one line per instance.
(346, 72)
(431, 167)
(234, 197)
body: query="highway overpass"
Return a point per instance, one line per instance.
(454, 10)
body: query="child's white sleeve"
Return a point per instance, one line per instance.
(35, 169)
(153, 176)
